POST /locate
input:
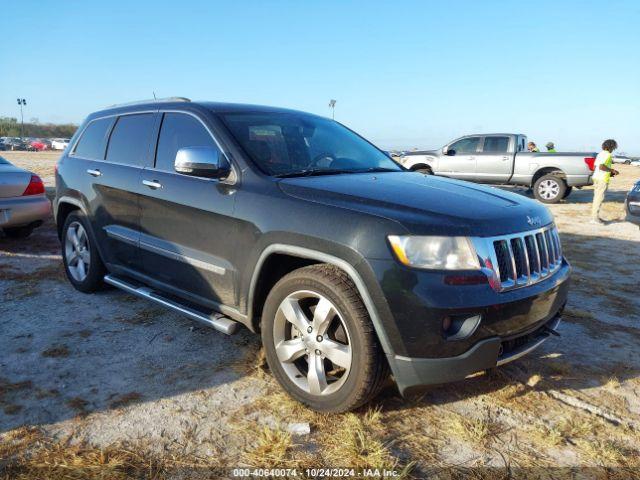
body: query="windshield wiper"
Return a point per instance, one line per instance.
(376, 169)
(308, 172)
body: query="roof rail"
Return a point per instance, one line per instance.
(151, 100)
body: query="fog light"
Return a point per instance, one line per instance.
(459, 327)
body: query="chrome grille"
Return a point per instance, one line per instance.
(521, 259)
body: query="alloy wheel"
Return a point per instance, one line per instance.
(312, 342)
(77, 252)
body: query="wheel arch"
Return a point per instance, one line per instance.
(64, 206)
(420, 166)
(541, 172)
(306, 256)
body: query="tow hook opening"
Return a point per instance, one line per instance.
(460, 327)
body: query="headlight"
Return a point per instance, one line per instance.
(435, 253)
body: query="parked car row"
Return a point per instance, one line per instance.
(33, 144)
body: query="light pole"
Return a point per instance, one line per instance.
(332, 106)
(22, 102)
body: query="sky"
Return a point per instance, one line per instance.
(405, 73)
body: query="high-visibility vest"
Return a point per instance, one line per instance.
(603, 158)
(551, 150)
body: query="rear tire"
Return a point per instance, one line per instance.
(549, 188)
(349, 367)
(18, 232)
(82, 262)
(567, 192)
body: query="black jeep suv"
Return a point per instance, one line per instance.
(296, 227)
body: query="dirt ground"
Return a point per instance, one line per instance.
(109, 386)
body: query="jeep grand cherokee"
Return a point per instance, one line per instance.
(294, 226)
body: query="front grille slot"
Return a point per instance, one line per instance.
(526, 258)
(544, 253)
(532, 254)
(520, 258)
(505, 267)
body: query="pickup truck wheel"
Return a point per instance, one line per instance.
(319, 341)
(82, 264)
(549, 188)
(422, 169)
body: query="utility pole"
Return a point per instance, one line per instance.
(332, 106)
(22, 102)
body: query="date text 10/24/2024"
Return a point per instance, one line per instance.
(315, 472)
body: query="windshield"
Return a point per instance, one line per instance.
(290, 144)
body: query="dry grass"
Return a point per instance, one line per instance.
(476, 431)
(56, 351)
(272, 448)
(143, 317)
(27, 454)
(126, 399)
(358, 441)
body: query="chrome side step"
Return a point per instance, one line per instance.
(216, 320)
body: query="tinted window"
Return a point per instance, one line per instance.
(295, 144)
(129, 142)
(94, 139)
(466, 145)
(179, 130)
(496, 144)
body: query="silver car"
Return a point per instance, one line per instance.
(23, 202)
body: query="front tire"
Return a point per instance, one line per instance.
(82, 263)
(319, 340)
(549, 188)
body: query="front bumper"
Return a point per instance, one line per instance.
(417, 303)
(22, 211)
(486, 354)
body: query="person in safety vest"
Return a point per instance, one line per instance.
(602, 173)
(532, 147)
(551, 148)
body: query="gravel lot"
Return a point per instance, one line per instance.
(110, 373)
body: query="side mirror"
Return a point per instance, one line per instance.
(201, 162)
(449, 152)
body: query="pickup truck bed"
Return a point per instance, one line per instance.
(502, 159)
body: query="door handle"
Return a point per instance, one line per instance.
(94, 173)
(152, 184)
(505, 158)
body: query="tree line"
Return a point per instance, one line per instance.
(10, 127)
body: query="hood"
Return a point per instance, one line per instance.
(424, 204)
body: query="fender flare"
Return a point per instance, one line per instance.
(70, 200)
(322, 257)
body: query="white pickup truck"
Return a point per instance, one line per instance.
(502, 158)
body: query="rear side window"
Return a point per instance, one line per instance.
(496, 144)
(466, 145)
(179, 130)
(93, 142)
(129, 142)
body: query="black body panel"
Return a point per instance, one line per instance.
(206, 239)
